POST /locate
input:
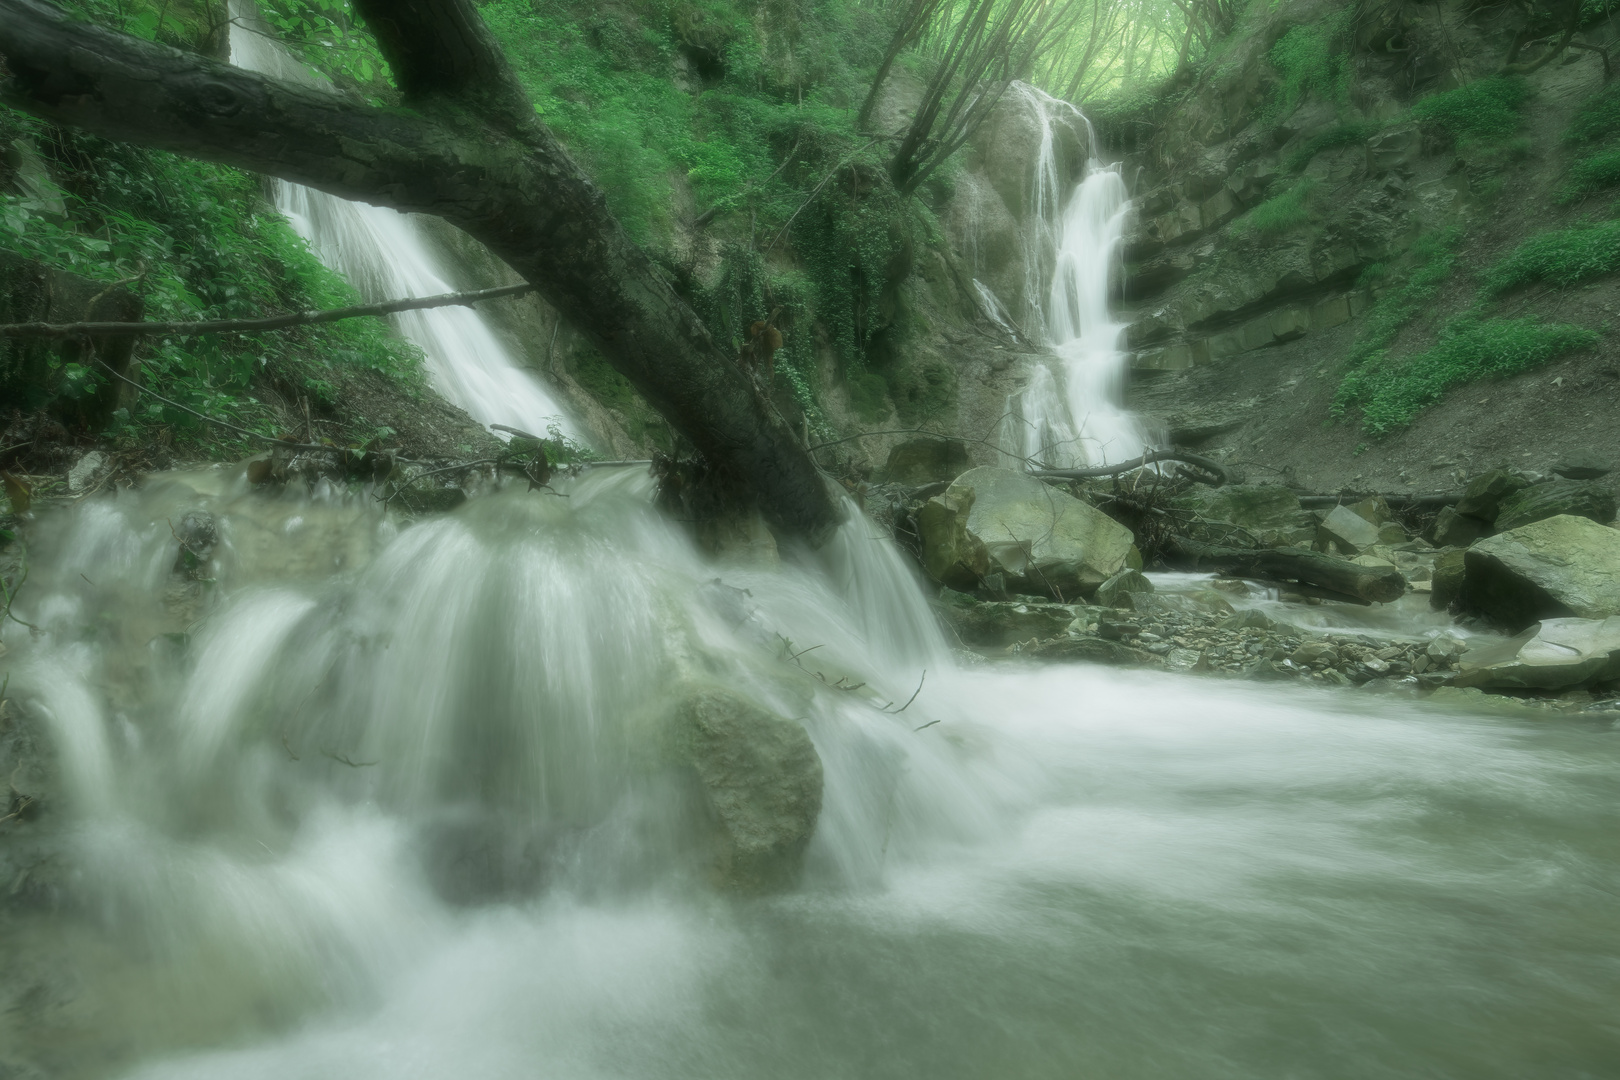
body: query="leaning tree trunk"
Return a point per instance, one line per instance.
(469, 149)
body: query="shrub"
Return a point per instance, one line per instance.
(1595, 172)
(1487, 110)
(1282, 212)
(1563, 257)
(1392, 393)
(1311, 59)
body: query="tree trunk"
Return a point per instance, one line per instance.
(469, 149)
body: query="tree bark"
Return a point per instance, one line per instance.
(467, 148)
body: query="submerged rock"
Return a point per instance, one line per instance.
(1039, 538)
(1560, 567)
(1580, 498)
(762, 779)
(1552, 654)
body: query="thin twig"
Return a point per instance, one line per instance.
(192, 328)
(913, 696)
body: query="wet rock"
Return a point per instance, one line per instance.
(995, 624)
(1446, 583)
(1317, 654)
(1263, 515)
(1560, 567)
(1347, 530)
(196, 535)
(925, 461)
(1119, 590)
(1039, 538)
(1451, 529)
(950, 554)
(1254, 619)
(1116, 627)
(1581, 498)
(1552, 654)
(761, 778)
(1094, 650)
(1483, 496)
(86, 471)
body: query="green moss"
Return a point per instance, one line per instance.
(1280, 213)
(1392, 392)
(1562, 257)
(1312, 59)
(1487, 110)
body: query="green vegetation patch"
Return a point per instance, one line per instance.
(1280, 213)
(1597, 120)
(1312, 59)
(1392, 392)
(1486, 110)
(1590, 174)
(1562, 257)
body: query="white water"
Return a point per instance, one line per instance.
(385, 256)
(1072, 412)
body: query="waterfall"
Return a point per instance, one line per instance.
(385, 255)
(1072, 412)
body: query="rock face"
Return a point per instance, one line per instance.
(1551, 654)
(1037, 538)
(1264, 515)
(925, 461)
(1542, 501)
(1562, 566)
(761, 777)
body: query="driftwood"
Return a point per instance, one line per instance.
(1343, 579)
(193, 328)
(1216, 471)
(1394, 501)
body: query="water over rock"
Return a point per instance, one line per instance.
(1040, 539)
(761, 777)
(1559, 567)
(1550, 655)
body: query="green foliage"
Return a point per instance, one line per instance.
(1561, 257)
(1590, 174)
(1346, 134)
(196, 241)
(1281, 213)
(1312, 59)
(1486, 110)
(332, 39)
(1392, 392)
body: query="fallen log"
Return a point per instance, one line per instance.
(1394, 501)
(1217, 473)
(1344, 579)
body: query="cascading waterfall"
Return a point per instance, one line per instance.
(1072, 412)
(385, 256)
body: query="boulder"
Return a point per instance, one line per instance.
(1560, 567)
(1552, 654)
(86, 471)
(925, 461)
(761, 778)
(996, 624)
(950, 554)
(1447, 581)
(1583, 466)
(1347, 530)
(1117, 590)
(1040, 539)
(1582, 498)
(1483, 496)
(1267, 515)
(1451, 529)
(1374, 508)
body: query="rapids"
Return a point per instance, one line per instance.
(371, 798)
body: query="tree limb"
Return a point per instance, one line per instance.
(194, 327)
(1214, 468)
(459, 151)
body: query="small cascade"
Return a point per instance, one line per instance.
(1072, 413)
(385, 255)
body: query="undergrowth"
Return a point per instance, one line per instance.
(1486, 110)
(1312, 59)
(1562, 257)
(1280, 213)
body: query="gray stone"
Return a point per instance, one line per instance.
(950, 554)
(1265, 515)
(1117, 590)
(1583, 466)
(1041, 539)
(1452, 529)
(1562, 566)
(761, 777)
(1447, 582)
(1552, 654)
(1582, 498)
(1347, 530)
(925, 461)
(85, 471)
(1483, 496)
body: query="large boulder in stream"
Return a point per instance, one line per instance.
(1551, 655)
(761, 778)
(1557, 568)
(1035, 538)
